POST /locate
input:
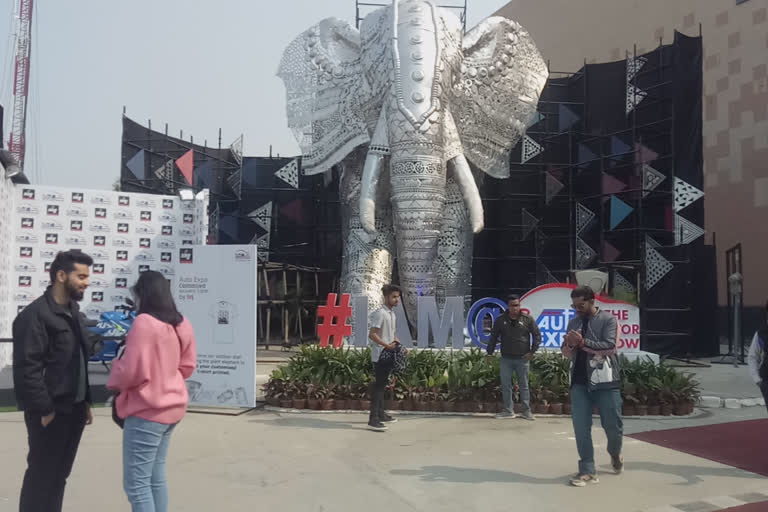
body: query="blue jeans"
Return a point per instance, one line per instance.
(145, 447)
(508, 366)
(608, 402)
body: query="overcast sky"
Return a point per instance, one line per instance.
(196, 65)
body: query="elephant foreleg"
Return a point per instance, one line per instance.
(367, 258)
(453, 267)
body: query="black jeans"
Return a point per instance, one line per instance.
(382, 372)
(52, 451)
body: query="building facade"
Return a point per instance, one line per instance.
(735, 97)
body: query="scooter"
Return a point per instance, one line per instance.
(107, 334)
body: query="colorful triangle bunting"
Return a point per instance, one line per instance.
(186, 164)
(619, 211)
(686, 231)
(553, 187)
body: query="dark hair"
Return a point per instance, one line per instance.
(512, 296)
(154, 294)
(583, 292)
(66, 261)
(389, 289)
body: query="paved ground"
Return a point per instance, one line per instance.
(303, 462)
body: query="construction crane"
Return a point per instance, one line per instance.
(16, 143)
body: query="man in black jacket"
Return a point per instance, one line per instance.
(514, 330)
(50, 377)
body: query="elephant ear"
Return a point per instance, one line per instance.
(497, 92)
(324, 88)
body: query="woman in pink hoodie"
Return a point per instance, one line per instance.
(159, 355)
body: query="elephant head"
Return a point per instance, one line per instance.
(425, 99)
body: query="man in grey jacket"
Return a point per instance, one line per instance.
(520, 338)
(595, 380)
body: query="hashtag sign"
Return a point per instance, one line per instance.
(334, 322)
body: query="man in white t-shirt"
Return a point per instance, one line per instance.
(383, 335)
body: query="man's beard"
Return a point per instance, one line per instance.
(74, 294)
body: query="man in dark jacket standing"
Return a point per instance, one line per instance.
(514, 330)
(50, 377)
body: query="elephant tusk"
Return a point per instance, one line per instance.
(468, 187)
(371, 173)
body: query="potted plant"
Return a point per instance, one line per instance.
(446, 402)
(364, 400)
(555, 395)
(299, 395)
(630, 400)
(342, 397)
(542, 405)
(314, 396)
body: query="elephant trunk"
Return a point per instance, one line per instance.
(418, 186)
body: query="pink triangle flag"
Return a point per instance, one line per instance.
(611, 185)
(610, 253)
(186, 164)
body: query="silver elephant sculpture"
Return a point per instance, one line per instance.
(401, 106)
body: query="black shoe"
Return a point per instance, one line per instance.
(377, 426)
(386, 418)
(618, 464)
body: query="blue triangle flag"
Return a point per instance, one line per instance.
(136, 165)
(619, 147)
(619, 211)
(566, 118)
(585, 155)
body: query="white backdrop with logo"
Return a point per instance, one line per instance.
(6, 248)
(216, 290)
(125, 233)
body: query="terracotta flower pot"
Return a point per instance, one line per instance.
(447, 406)
(681, 409)
(517, 407)
(654, 410)
(434, 406)
(274, 402)
(286, 404)
(328, 404)
(365, 405)
(389, 405)
(299, 403)
(541, 409)
(567, 409)
(489, 407)
(667, 410)
(353, 404)
(691, 407)
(628, 410)
(341, 404)
(420, 405)
(499, 406)
(313, 403)
(641, 410)
(556, 409)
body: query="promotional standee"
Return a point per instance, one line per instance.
(216, 290)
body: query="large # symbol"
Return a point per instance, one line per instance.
(334, 322)
(476, 319)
